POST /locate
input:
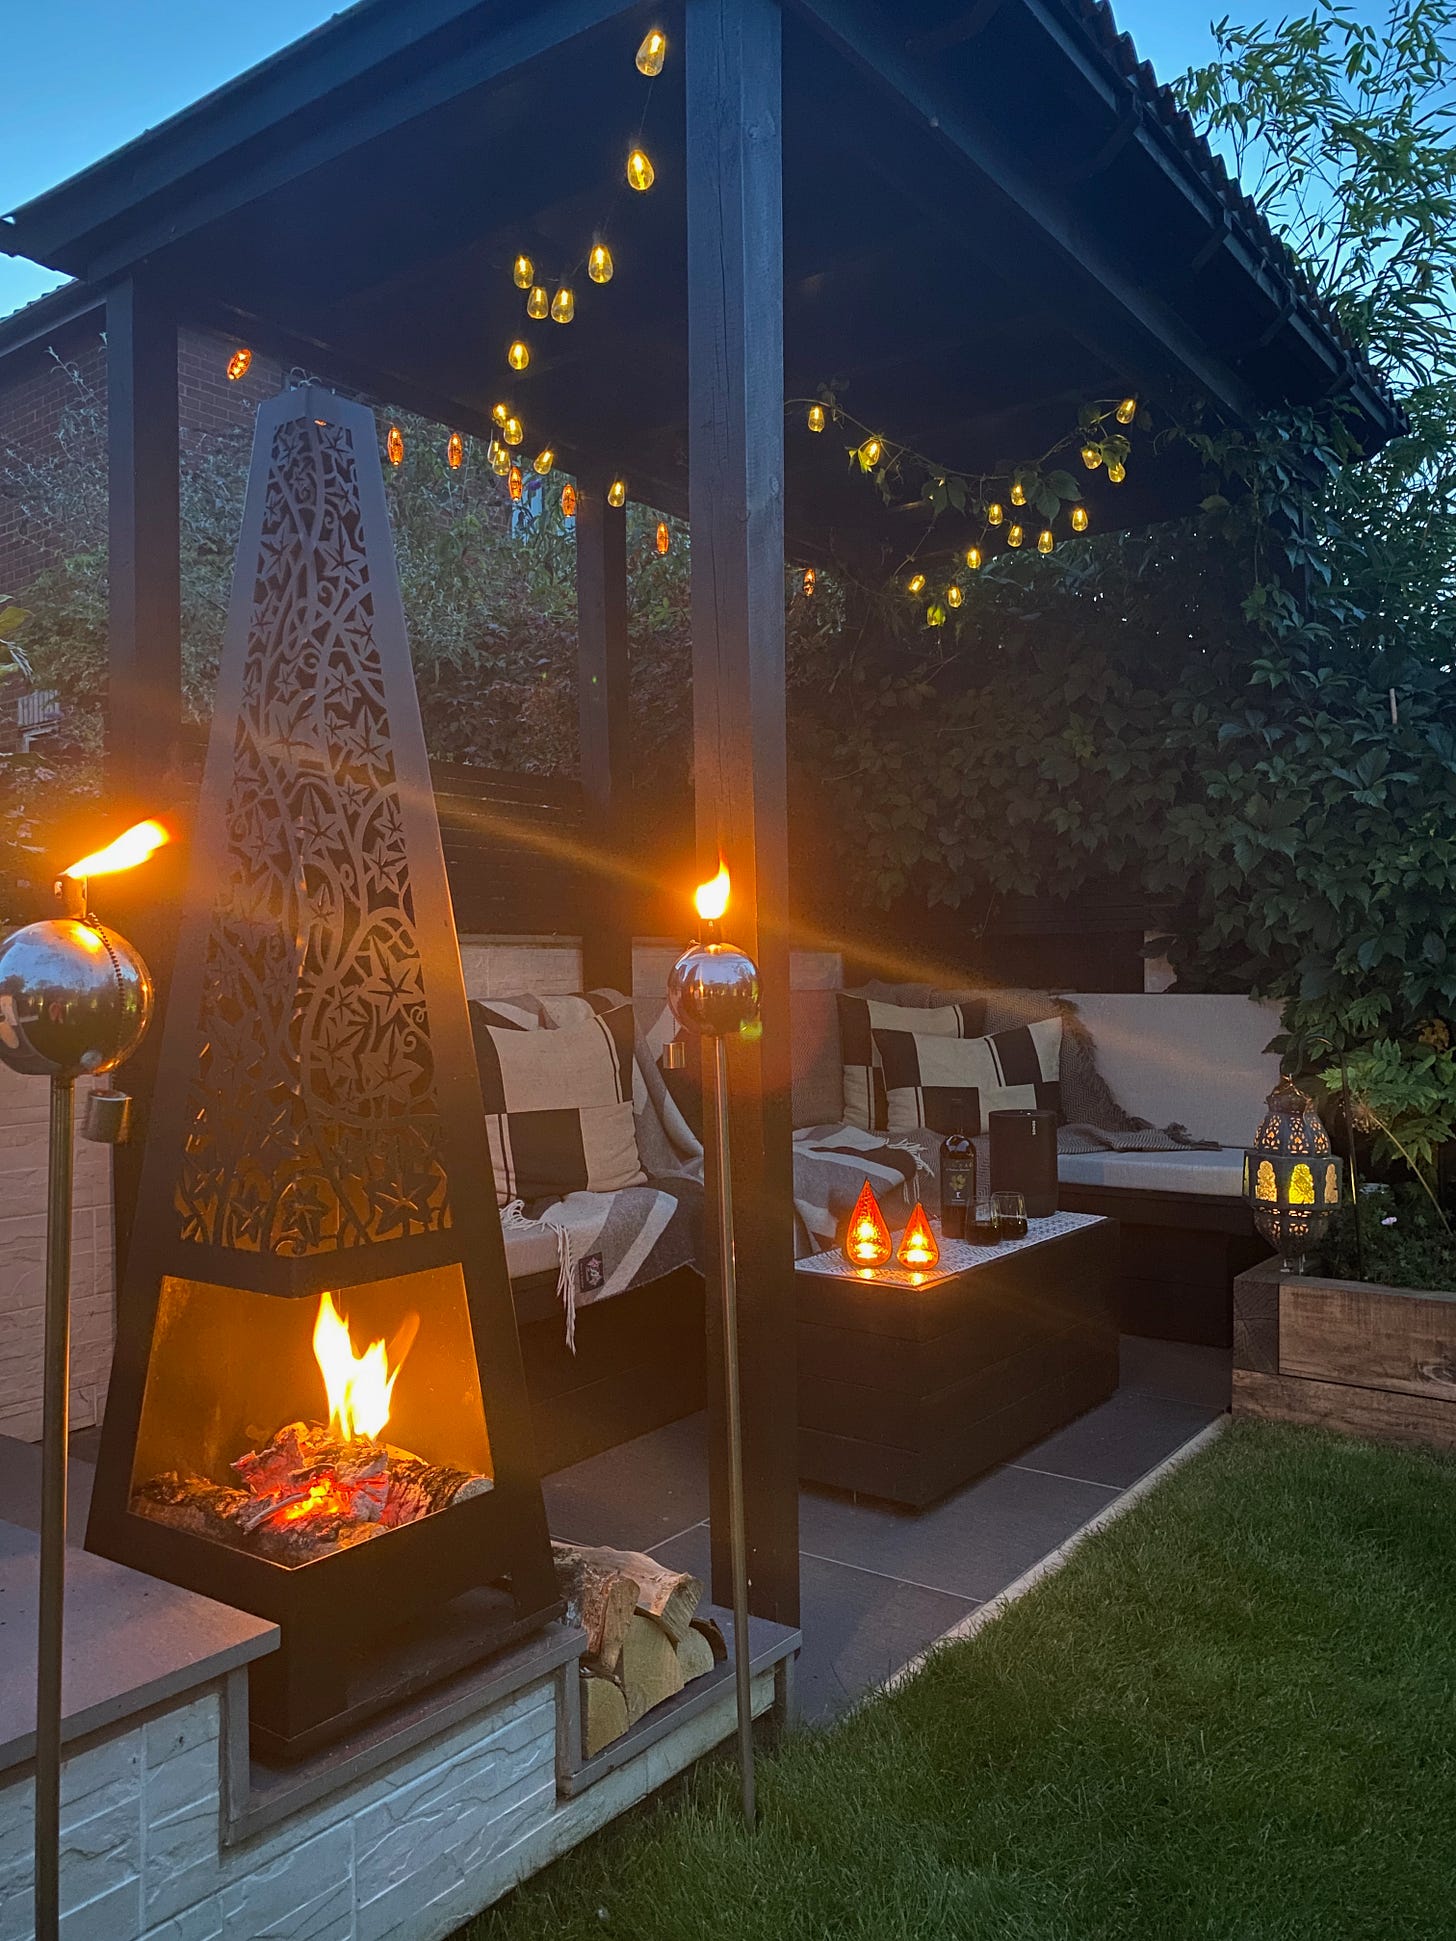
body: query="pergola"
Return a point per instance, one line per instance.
(973, 214)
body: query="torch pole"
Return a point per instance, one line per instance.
(737, 1528)
(54, 1449)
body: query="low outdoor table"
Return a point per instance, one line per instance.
(912, 1382)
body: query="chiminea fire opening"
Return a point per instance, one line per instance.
(317, 1407)
(317, 1429)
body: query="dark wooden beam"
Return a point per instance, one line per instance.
(361, 76)
(1116, 315)
(144, 666)
(736, 472)
(603, 672)
(144, 688)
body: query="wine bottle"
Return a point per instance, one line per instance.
(957, 1183)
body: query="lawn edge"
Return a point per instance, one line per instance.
(985, 1614)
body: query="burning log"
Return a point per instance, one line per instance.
(307, 1492)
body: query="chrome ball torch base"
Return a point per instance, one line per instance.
(74, 1001)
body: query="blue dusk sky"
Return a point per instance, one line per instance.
(84, 76)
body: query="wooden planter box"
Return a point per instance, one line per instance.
(1347, 1355)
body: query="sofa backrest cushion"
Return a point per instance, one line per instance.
(558, 1105)
(954, 1084)
(1176, 1058)
(861, 1021)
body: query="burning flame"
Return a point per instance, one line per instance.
(130, 848)
(359, 1386)
(711, 899)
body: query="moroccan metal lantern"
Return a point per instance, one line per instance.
(1291, 1178)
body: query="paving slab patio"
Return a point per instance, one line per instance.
(879, 1583)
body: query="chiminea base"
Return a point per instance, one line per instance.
(354, 1682)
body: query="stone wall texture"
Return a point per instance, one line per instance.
(405, 1855)
(36, 386)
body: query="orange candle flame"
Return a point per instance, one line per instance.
(133, 846)
(710, 900)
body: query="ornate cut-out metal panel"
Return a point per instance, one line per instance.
(314, 1120)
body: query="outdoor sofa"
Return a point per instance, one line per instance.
(606, 1363)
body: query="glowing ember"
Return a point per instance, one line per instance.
(132, 847)
(359, 1386)
(711, 899)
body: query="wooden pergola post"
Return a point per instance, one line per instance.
(144, 691)
(144, 657)
(736, 471)
(603, 670)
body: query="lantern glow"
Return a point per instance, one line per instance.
(811, 580)
(568, 500)
(652, 53)
(664, 538)
(239, 364)
(1291, 1178)
(918, 1246)
(394, 445)
(867, 1237)
(455, 452)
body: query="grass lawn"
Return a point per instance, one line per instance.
(1231, 1715)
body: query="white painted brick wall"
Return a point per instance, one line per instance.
(24, 1116)
(401, 1855)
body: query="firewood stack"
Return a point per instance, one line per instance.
(644, 1639)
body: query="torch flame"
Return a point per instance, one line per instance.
(359, 1386)
(711, 899)
(130, 848)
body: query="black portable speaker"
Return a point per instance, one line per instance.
(1024, 1158)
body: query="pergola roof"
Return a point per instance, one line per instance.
(992, 212)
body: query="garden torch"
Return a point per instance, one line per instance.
(714, 991)
(74, 1002)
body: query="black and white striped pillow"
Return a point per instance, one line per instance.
(954, 1084)
(861, 1019)
(558, 1105)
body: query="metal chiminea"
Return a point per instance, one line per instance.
(317, 1409)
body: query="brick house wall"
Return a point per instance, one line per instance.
(36, 387)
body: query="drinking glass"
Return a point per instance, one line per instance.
(1009, 1210)
(981, 1227)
